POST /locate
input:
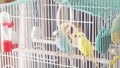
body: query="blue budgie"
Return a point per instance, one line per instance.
(63, 44)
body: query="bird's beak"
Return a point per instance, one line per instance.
(54, 34)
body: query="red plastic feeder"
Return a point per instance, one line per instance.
(15, 45)
(8, 24)
(7, 45)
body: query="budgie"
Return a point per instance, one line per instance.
(63, 44)
(85, 46)
(115, 36)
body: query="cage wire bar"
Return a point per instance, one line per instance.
(60, 34)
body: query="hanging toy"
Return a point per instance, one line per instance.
(107, 35)
(103, 41)
(6, 32)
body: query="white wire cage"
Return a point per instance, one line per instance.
(28, 28)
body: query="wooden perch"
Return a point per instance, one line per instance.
(51, 42)
(44, 52)
(44, 41)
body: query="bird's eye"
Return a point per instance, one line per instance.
(79, 35)
(75, 36)
(71, 30)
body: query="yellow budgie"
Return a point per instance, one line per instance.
(85, 46)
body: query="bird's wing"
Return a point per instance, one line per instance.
(63, 44)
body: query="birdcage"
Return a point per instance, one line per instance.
(60, 34)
